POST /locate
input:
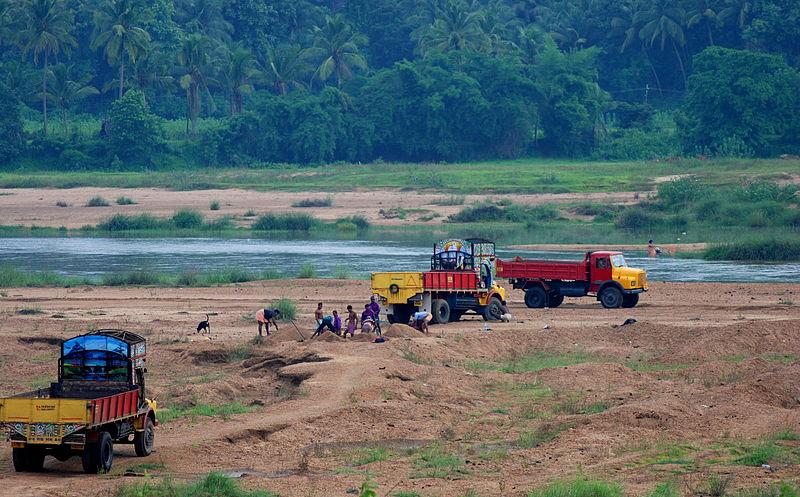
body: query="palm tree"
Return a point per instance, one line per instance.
(46, 32)
(203, 17)
(285, 68)
(737, 10)
(149, 71)
(337, 45)
(194, 67)
(707, 12)
(65, 91)
(19, 77)
(7, 22)
(663, 20)
(455, 28)
(117, 23)
(626, 24)
(237, 67)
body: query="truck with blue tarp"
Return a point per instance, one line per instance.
(98, 400)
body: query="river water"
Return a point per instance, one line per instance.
(93, 257)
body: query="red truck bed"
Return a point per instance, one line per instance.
(542, 270)
(450, 280)
(106, 409)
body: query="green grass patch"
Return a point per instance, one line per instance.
(239, 352)
(213, 485)
(435, 462)
(535, 361)
(666, 489)
(579, 487)
(671, 455)
(201, 410)
(13, 277)
(144, 467)
(542, 434)
(370, 455)
(766, 452)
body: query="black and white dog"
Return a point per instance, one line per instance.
(204, 325)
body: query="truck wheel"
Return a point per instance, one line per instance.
(441, 311)
(611, 297)
(492, 310)
(98, 456)
(555, 300)
(28, 459)
(630, 300)
(535, 297)
(143, 440)
(456, 316)
(401, 313)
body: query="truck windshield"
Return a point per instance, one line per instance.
(618, 260)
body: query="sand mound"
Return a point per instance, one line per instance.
(329, 337)
(363, 337)
(401, 331)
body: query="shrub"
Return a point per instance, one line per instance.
(213, 485)
(755, 250)
(187, 219)
(121, 222)
(97, 201)
(74, 160)
(214, 206)
(221, 224)
(314, 202)
(133, 132)
(61, 203)
(140, 277)
(342, 272)
(123, 200)
(307, 270)
(289, 222)
(287, 307)
(682, 190)
(505, 211)
(358, 220)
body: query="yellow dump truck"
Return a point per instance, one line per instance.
(461, 280)
(99, 399)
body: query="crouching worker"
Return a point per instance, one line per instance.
(505, 313)
(420, 320)
(265, 317)
(329, 322)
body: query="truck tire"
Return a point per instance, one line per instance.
(630, 300)
(555, 300)
(143, 440)
(536, 297)
(611, 297)
(455, 316)
(441, 311)
(28, 459)
(401, 313)
(98, 456)
(492, 310)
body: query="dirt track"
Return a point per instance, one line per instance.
(677, 396)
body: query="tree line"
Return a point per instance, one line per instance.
(320, 80)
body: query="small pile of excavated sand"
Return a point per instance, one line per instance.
(398, 330)
(329, 336)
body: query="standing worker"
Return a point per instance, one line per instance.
(375, 307)
(265, 317)
(352, 321)
(318, 314)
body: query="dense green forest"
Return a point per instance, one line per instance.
(120, 84)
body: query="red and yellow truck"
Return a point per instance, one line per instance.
(98, 400)
(603, 274)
